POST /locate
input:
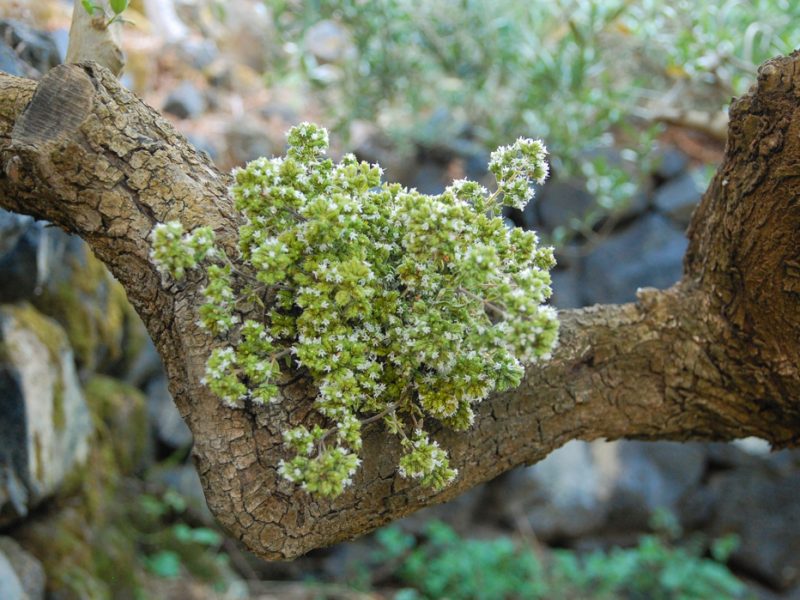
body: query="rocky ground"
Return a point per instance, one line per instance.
(94, 458)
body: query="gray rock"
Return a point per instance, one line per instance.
(33, 47)
(329, 42)
(204, 145)
(653, 476)
(761, 507)
(169, 427)
(565, 495)
(185, 101)
(10, 585)
(10, 63)
(585, 488)
(29, 570)
(184, 480)
(677, 198)
(44, 422)
(38, 252)
(12, 226)
(430, 178)
(566, 289)
(671, 162)
(560, 203)
(648, 253)
(200, 53)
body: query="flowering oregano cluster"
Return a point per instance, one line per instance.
(405, 308)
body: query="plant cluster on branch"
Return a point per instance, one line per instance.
(405, 308)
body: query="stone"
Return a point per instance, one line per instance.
(184, 480)
(670, 162)
(168, 425)
(566, 286)
(648, 253)
(44, 420)
(28, 570)
(76, 289)
(329, 42)
(430, 178)
(10, 63)
(652, 476)
(35, 48)
(563, 496)
(678, 197)
(10, 585)
(761, 507)
(12, 226)
(186, 101)
(587, 488)
(561, 203)
(26, 266)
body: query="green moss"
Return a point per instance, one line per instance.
(118, 408)
(90, 305)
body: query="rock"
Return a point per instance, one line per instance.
(200, 53)
(33, 47)
(430, 178)
(329, 42)
(10, 585)
(204, 144)
(648, 253)
(78, 291)
(245, 143)
(10, 63)
(26, 267)
(184, 480)
(561, 203)
(761, 507)
(145, 364)
(186, 101)
(167, 422)
(566, 289)
(585, 488)
(29, 571)
(671, 163)
(12, 226)
(652, 476)
(678, 197)
(44, 419)
(120, 417)
(565, 495)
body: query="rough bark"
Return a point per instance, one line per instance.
(714, 357)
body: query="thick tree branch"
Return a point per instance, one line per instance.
(715, 357)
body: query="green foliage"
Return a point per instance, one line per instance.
(579, 73)
(403, 307)
(443, 565)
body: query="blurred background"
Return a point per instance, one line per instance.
(98, 496)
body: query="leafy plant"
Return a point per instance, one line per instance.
(588, 76)
(444, 565)
(403, 307)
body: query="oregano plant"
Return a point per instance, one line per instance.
(405, 308)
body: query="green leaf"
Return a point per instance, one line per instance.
(88, 6)
(118, 6)
(165, 563)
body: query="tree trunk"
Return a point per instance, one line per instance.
(715, 357)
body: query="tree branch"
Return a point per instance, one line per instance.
(714, 357)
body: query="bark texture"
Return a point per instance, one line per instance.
(714, 357)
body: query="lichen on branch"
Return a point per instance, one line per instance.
(405, 308)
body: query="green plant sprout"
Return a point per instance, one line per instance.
(117, 6)
(404, 308)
